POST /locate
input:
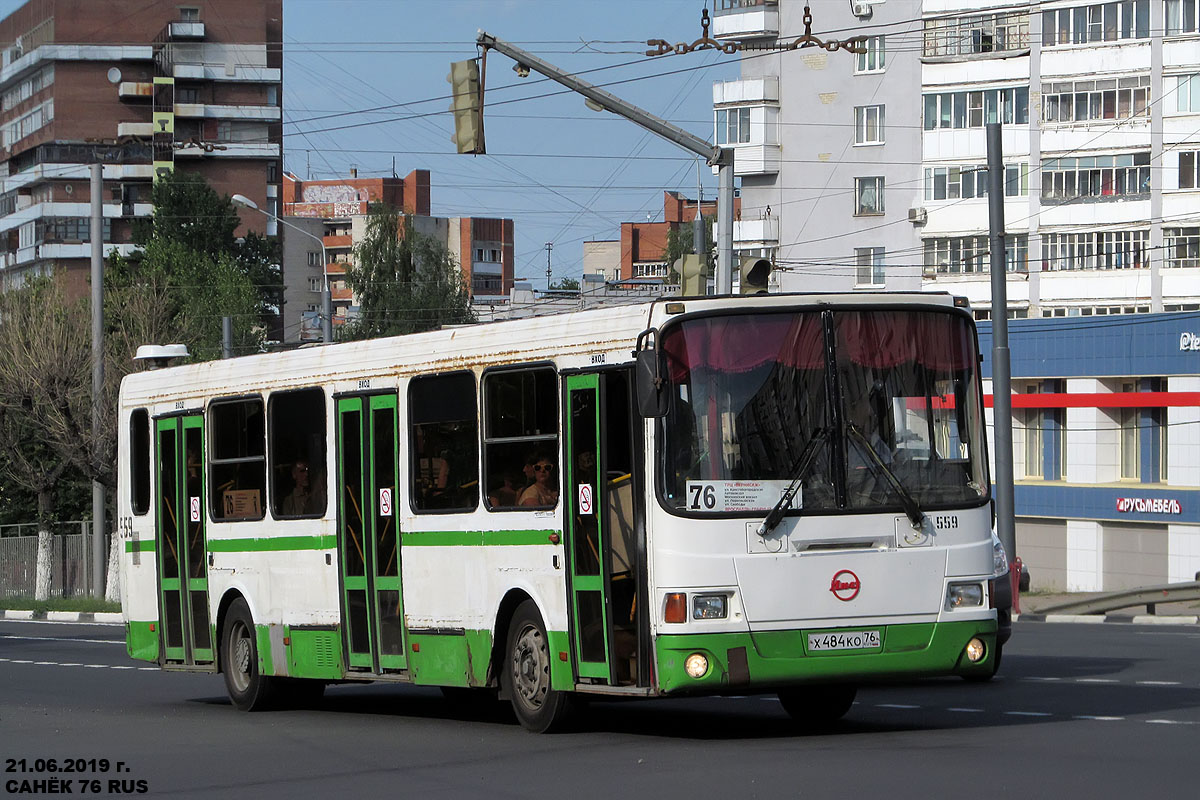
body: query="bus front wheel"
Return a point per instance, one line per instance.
(248, 688)
(526, 674)
(818, 706)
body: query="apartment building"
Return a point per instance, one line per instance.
(139, 87)
(331, 215)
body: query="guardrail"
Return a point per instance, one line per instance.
(1148, 596)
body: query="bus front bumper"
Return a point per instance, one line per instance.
(761, 661)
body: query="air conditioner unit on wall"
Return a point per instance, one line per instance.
(918, 216)
(862, 10)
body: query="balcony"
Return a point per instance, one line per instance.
(145, 129)
(755, 233)
(339, 241)
(745, 19)
(135, 90)
(759, 91)
(185, 31)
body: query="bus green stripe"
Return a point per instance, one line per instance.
(474, 538)
(274, 543)
(143, 545)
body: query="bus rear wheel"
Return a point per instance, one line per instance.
(248, 688)
(526, 674)
(818, 706)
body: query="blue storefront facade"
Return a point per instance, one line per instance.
(1106, 446)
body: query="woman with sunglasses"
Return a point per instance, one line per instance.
(543, 492)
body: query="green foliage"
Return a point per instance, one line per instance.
(566, 284)
(87, 605)
(405, 281)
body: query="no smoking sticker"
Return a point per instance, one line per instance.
(194, 509)
(385, 502)
(585, 498)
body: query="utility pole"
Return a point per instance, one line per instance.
(1001, 370)
(720, 157)
(549, 247)
(698, 224)
(97, 233)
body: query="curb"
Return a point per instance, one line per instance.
(98, 617)
(1100, 619)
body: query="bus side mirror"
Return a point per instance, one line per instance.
(651, 380)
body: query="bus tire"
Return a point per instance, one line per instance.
(818, 706)
(526, 674)
(248, 688)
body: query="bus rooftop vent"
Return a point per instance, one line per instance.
(157, 356)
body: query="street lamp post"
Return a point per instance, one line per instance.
(326, 297)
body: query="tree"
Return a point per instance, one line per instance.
(405, 281)
(681, 241)
(566, 284)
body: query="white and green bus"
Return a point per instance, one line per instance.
(783, 493)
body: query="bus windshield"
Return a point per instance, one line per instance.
(858, 407)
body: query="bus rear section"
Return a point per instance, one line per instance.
(822, 510)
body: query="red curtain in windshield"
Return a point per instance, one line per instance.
(741, 343)
(882, 339)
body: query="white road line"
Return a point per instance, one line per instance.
(1096, 680)
(966, 710)
(1028, 714)
(1158, 683)
(1044, 680)
(894, 705)
(21, 661)
(1170, 722)
(96, 666)
(64, 639)
(1097, 719)
(70, 665)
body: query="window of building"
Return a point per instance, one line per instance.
(1095, 176)
(1187, 93)
(487, 284)
(189, 14)
(868, 125)
(272, 172)
(1131, 454)
(1096, 250)
(314, 258)
(873, 59)
(651, 270)
(521, 438)
(490, 255)
(297, 428)
(1095, 100)
(237, 463)
(27, 88)
(733, 125)
(1035, 453)
(868, 266)
(976, 109)
(1189, 169)
(868, 196)
(972, 254)
(139, 461)
(1103, 22)
(970, 35)
(1182, 246)
(443, 442)
(1183, 16)
(272, 95)
(971, 181)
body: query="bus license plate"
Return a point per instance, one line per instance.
(843, 640)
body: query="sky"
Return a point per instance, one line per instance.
(563, 173)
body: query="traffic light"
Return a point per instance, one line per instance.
(692, 275)
(467, 104)
(753, 274)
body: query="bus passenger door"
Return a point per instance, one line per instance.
(368, 540)
(601, 527)
(182, 568)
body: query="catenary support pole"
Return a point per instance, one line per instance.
(99, 561)
(1001, 370)
(226, 337)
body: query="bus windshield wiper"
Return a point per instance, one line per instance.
(911, 508)
(775, 515)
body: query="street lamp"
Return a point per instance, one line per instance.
(326, 298)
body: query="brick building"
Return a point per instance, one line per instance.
(137, 86)
(335, 211)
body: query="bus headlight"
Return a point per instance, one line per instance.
(709, 606)
(696, 665)
(963, 595)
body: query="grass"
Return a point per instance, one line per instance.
(84, 604)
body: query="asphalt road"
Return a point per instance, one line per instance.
(1091, 711)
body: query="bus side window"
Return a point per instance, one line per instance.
(139, 461)
(443, 443)
(237, 464)
(520, 438)
(298, 476)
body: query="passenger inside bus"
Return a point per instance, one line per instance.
(544, 491)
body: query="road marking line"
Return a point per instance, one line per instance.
(1028, 713)
(1096, 680)
(966, 710)
(1047, 680)
(1097, 719)
(63, 639)
(147, 669)
(45, 663)
(122, 667)
(1158, 683)
(96, 666)
(22, 661)
(894, 705)
(1170, 722)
